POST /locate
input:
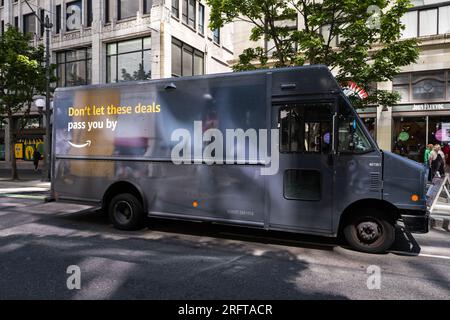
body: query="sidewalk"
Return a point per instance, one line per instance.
(440, 217)
(29, 185)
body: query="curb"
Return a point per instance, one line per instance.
(440, 223)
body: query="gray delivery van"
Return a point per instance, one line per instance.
(280, 149)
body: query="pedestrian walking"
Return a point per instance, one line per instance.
(36, 157)
(426, 159)
(437, 162)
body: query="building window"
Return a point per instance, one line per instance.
(444, 20)
(430, 20)
(216, 36)
(58, 19)
(176, 8)
(147, 6)
(74, 67)
(42, 18)
(108, 11)
(423, 86)
(16, 22)
(2, 28)
(127, 9)
(410, 137)
(129, 60)
(90, 16)
(186, 61)
(29, 23)
(201, 18)
(74, 15)
(189, 12)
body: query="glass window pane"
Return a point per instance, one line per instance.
(74, 55)
(409, 137)
(89, 71)
(130, 45)
(302, 184)
(201, 18)
(191, 13)
(74, 15)
(401, 79)
(409, 20)
(403, 89)
(187, 63)
(175, 8)
(29, 23)
(130, 66)
(147, 64)
(111, 73)
(128, 9)
(352, 137)
(428, 22)
(60, 57)
(61, 75)
(185, 11)
(198, 65)
(76, 73)
(147, 43)
(176, 60)
(111, 48)
(438, 129)
(428, 85)
(444, 20)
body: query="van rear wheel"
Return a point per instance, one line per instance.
(372, 232)
(126, 212)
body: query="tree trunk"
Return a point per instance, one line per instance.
(12, 142)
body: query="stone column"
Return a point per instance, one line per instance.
(98, 61)
(384, 121)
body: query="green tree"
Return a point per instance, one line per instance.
(22, 77)
(368, 50)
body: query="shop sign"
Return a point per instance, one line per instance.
(422, 107)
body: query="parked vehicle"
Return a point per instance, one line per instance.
(115, 147)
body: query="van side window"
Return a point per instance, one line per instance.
(305, 127)
(351, 136)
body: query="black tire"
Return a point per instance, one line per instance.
(371, 232)
(126, 212)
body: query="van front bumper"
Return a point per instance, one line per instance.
(416, 221)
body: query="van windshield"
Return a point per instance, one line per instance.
(352, 137)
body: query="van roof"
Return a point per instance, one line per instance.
(311, 71)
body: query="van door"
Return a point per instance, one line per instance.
(302, 191)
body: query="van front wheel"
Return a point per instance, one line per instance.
(372, 233)
(126, 212)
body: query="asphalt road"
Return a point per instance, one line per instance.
(183, 260)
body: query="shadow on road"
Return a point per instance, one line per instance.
(34, 264)
(405, 243)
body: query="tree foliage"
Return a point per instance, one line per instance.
(359, 40)
(22, 77)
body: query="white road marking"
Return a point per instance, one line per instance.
(433, 256)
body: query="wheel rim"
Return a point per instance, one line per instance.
(369, 232)
(123, 212)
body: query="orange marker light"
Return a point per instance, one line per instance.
(195, 204)
(415, 197)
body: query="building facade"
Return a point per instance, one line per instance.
(106, 41)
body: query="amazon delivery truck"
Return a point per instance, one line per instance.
(279, 149)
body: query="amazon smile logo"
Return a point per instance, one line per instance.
(80, 146)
